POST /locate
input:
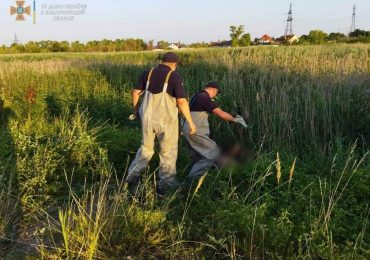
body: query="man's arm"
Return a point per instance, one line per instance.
(223, 115)
(138, 89)
(185, 110)
(135, 99)
(182, 103)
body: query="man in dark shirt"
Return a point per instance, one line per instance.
(204, 151)
(163, 91)
(175, 86)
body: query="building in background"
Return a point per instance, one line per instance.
(173, 46)
(265, 39)
(288, 39)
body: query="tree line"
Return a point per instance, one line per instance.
(76, 46)
(238, 38)
(320, 37)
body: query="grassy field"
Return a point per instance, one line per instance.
(66, 142)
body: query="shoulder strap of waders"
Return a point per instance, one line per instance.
(166, 82)
(148, 80)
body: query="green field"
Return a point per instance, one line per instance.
(66, 142)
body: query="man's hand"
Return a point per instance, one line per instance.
(185, 110)
(193, 129)
(238, 119)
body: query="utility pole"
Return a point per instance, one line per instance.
(353, 25)
(15, 39)
(289, 23)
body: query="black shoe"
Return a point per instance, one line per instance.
(167, 187)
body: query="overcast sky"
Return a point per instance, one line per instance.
(180, 20)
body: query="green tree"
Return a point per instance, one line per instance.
(198, 45)
(44, 46)
(32, 47)
(92, 46)
(64, 46)
(76, 46)
(238, 37)
(106, 45)
(235, 33)
(17, 48)
(358, 33)
(245, 40)
(317, 37)
(359, 36)
(150, 45)
(304, 40)
(134, 45)
(3, 49)
(162, 45)
(337, 36)
(54, 47)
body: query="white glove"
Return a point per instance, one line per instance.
(238, 119)
(132, 117)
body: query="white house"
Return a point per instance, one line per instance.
(289, 39)
(292, 39)
(173, 46)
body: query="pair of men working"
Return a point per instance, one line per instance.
(163, 94)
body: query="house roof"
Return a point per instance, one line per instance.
(288, 37)
(266, 37)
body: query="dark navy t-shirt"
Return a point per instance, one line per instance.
(175, 86)
(202, 102)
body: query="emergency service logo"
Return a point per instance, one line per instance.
(62, 11)
(21, 10)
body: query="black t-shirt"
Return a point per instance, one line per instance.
(175, 86)
(202, 102)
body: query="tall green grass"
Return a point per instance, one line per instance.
(65, 144)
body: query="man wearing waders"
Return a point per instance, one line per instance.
(163, 91)
(203, 150)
